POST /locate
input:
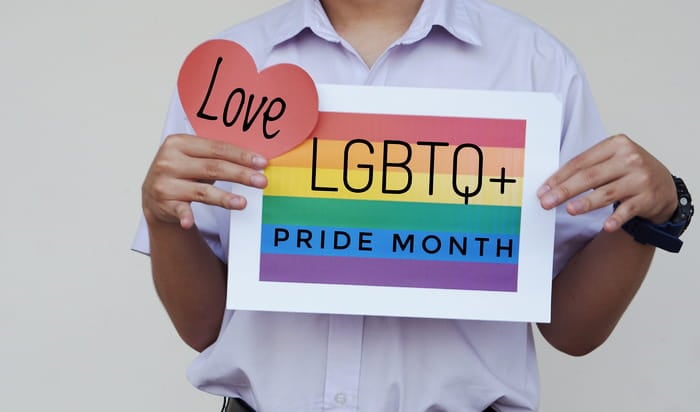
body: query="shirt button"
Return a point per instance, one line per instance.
(340, 398)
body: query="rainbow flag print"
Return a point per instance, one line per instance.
(397, 200)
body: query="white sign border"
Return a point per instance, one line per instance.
(531, 302)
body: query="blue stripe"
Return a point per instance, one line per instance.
(388, 244)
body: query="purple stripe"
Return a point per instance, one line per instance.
(389, 272)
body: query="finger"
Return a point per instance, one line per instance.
(603, 163)
(167, 194)
(604, 195)
(597, 154)
(191, 157)
(210, 170)
(625, 211)
(194, 146)
(183, 212)
(598, 177)
(208, 194)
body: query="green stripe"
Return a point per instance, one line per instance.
(371, 214)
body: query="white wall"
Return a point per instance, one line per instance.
(83, 90)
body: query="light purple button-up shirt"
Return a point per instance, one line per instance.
(314, 362)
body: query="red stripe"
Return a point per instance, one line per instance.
(412, 128)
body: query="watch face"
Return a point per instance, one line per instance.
(685, 205)
(686, 209)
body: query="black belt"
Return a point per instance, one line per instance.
(236, 405)
(239, 405)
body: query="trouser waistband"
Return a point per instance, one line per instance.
(239, 405)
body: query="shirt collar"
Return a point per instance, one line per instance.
(452, 15)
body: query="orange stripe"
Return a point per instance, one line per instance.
(330, 155)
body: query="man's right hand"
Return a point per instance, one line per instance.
(184, 171)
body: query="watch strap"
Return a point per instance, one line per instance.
(664, 235)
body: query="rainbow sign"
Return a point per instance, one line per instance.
(396, 200)
(399, 205)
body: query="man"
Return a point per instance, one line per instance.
(313, 362)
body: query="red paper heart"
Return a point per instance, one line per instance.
(225, 98)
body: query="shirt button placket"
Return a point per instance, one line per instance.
(343, 362)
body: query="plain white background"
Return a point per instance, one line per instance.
(83, 91)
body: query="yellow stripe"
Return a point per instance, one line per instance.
(297, 182)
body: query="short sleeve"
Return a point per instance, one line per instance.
(582, 129)
(211, 221)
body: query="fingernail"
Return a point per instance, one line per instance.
(577, 206)
(186, 222)
(258, 180)
(542, 190)
(236, 203)
(259, 162)
(549, 199)
(611, 225)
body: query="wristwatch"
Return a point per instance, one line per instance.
(665, 235)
